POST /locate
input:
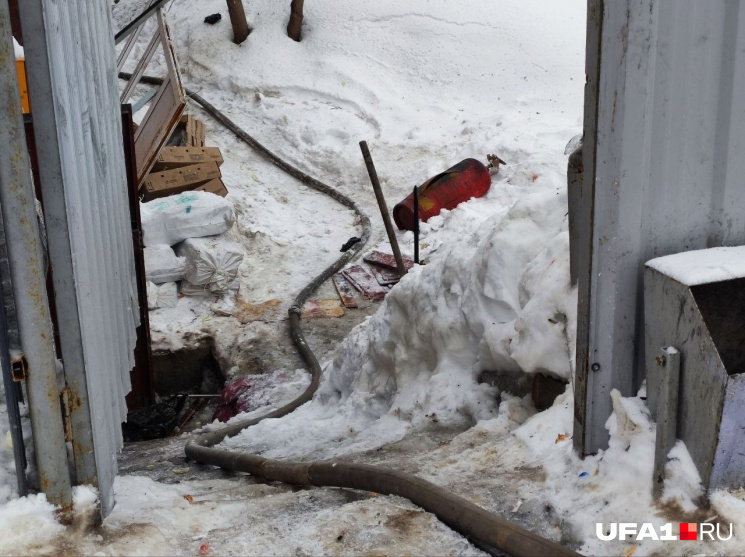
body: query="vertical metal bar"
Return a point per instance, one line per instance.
(383, 208)
(416, 225)
(27, 270)
(11, 399)
(668, 365)
(582, 245)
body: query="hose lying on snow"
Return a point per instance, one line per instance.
(455, 511)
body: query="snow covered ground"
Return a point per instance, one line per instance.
(426, 83)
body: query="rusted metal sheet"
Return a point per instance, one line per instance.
(662, 173)
(166, 107)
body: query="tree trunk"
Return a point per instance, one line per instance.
(296, 20)
(238, 21)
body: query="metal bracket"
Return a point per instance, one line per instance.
(19, 368)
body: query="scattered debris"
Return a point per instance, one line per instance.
(346, 295)
(386, 260)
(385, 277)
(349, 243)
(322, 308)
(265, 311)
(155, 421)
(494, 162)
(212, 19)
(248, 393)
(363, 281)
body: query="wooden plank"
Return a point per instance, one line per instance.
(386, 260)
(363, 281)
(198, 133)
(346, 295)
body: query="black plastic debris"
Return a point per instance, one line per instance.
(212, 19)
(153, 422)
(349, 243)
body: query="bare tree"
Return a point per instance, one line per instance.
(238, 21)
(296, 20)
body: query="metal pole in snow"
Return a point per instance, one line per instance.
(383, 208)
(416, 225)
(29, 285)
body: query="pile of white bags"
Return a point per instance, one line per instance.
(191, 214)
(211, 265)
(162, 295)
(202, 258)
(163, 265)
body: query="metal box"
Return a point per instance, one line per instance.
(695, 302)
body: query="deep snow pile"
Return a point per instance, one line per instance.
(496, 297)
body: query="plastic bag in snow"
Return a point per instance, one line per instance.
(191, 214)
(162, 296)
(163, 265)
(212, 261)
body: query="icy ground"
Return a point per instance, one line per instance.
(426, 83)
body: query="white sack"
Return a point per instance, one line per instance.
(191, 214)
(162, 296)
(163, 265)
(188, 289)
(211, 262)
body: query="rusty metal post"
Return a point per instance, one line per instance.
(29, 286)
(383, 208)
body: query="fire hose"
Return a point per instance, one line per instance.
(487, 529)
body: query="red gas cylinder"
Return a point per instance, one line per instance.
(469, 178)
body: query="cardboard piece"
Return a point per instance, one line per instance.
(346, 294)
(363, 281)
(322, 308)
(198, 133)
(214, 186)
(169, 182)
(386, 260)
(178, 157)
(385, 277)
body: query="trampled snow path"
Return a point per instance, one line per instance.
(426, 83)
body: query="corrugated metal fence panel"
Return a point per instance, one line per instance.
(667, 174)
(71, 57)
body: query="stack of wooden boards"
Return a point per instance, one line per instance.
(185, 164)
